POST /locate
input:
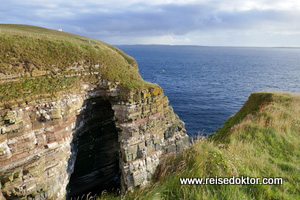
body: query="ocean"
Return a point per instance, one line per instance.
(206, 85)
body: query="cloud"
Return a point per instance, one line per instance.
(174, 21)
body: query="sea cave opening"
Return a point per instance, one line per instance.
(96, 149)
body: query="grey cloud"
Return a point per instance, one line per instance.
(177, 20)
(141, 20)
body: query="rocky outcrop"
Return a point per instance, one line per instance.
(109, 135)
(76, 116)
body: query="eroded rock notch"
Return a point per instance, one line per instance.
(40, 142)
(97, 150)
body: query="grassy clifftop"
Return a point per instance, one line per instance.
(261, 140)
(45, 49)
(40, 61)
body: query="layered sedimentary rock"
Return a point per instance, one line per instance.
(39, 142)
(149, 128)
(76, 117)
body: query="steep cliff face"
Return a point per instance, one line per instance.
(148, 129)
(88, 130)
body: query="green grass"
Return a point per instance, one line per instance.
(261, 140)
(29, 51)
(35, 88)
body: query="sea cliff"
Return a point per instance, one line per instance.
(75, 114)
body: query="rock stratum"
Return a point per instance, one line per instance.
(75, 117)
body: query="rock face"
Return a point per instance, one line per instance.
(97, 150)
(93, 133)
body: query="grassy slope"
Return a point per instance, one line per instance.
(261, 140)
(28, 48)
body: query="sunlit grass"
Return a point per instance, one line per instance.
(25, 50)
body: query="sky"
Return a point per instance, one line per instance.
(175, 22)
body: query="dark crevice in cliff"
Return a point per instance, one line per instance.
(96, 149)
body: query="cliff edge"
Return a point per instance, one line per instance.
(75, 114)
(259, 146)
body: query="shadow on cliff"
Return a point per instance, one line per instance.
(94, 163)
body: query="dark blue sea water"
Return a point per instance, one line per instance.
(206, 85)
